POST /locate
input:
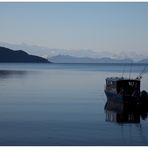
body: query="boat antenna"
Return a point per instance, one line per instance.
(130, 69)
(123, 70)
(142, 72)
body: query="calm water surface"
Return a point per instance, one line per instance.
(63, 104)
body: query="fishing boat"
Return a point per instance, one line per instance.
(122, 89)
(125, 90)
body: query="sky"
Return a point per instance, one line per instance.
(95, 26)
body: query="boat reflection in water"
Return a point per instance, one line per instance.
(127, 112)
(122, 113)
(118, 112)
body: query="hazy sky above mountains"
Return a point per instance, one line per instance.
(99, 26)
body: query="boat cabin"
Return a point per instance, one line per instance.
(122, 86)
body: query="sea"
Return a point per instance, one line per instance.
(63, 105)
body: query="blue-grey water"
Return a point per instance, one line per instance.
(63, 104)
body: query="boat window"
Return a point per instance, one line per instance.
(132, 84)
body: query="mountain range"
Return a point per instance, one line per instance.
(71, 59)
(47, 52)
(32, 53)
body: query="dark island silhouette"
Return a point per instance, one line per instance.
(11, 56)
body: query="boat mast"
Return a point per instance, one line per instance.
(123, 70)
(142, 72)
(130, 69)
